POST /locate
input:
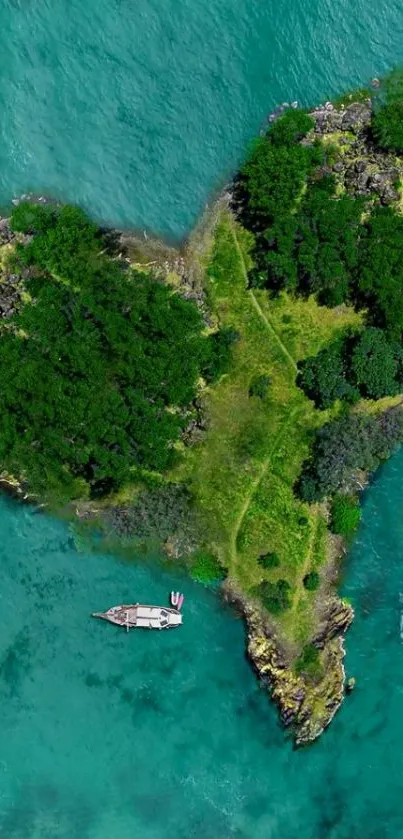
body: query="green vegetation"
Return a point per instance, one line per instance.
(380, 278)
(259, 386)
(326, 247)
(309, 662)
(97, 367)
(347, 445)
(275, 596)
(346, 515)
(242, 474)
(311, 581)
(205, 568)
(269, 560)
(366, 365)
(101, 367)
(387, 121)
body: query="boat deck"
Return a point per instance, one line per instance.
(146, 617)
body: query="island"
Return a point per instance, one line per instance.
(225, 401)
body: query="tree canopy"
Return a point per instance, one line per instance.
(97, 366)
(366, 365)
(387, 120)
(352, 442)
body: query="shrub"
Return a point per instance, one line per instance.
(269, 560)
(312, 581)
(206, 568)
(259, 386)
(275, 596)
(219, 353)
(346, 515)
(309, 662)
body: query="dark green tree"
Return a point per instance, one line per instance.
(269, 560)
(311, 581)
(375, 364)
(259, 386)
(349, 443)
(387, 119)
(324, 377)
(380, 274)
(96, 368)
(328, 242)
(275, 596)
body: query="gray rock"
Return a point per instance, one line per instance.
(356, 117)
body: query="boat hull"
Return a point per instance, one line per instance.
(136, 616)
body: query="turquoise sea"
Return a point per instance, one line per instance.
(139, 111)
(108, 735)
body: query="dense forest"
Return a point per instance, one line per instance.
(98, 365)
(314, 236)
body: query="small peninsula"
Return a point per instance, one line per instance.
(226, 401)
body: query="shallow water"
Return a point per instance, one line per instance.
(107, 734)
(139, 109)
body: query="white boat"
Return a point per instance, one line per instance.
(135, 615)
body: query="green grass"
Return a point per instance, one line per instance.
(243, 472)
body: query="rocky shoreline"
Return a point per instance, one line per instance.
(306, 707)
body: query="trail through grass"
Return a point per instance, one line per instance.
(242, 474)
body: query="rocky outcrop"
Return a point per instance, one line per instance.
(360, 168)
(306, 706)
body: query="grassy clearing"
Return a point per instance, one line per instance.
(243, 472)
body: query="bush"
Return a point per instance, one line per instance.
(309, 662)
(312, 581)
(269, 560)
(275, 596)
(259, 386)
(206, 568)
(346, 515)
(219, 353)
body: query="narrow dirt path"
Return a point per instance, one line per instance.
(266, 463)
(255, 484)
(259, 309)
(272, 330)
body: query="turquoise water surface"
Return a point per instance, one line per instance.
(139, 111)
(108, 735)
